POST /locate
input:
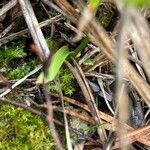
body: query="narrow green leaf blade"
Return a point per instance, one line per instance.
(57, 61)
(80, 47)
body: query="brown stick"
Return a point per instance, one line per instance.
(22, 33)
(34, 28)
(143, 139)
(7, 7)
(50, 118)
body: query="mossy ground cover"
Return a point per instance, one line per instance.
(20, 129)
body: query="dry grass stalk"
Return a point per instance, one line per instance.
(140, 35)
(34, 28)
(100, 38)
(7, 7)
(68, 139)
(89, 98)
(121, 93)
(22, 33)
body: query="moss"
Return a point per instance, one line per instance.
(19, 72)
(66, 80)
(8, 53)
(105, 14)
(19, 129)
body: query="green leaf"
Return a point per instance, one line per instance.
(80, 47)
(57, 61)
(94, 3)
(138, 3)
(40, 78)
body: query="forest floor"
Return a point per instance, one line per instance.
(74, 76)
